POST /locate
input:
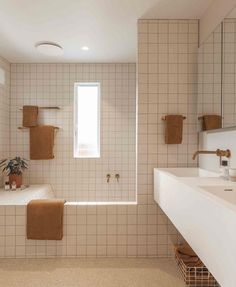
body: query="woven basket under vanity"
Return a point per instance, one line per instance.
(195, 276)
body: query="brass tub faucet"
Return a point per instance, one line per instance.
(218, 152)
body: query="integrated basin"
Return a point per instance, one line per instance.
(202, 206)
(227, 193)
(191, 172)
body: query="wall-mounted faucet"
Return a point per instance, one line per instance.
(108, 176)
(117, 176)
(217, 152)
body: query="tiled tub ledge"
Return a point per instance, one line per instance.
(92, 203)
(105, 229)
(45, 191)
(22, 197)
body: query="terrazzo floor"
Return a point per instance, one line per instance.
(105, 272)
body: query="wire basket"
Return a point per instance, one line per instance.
(195, 276)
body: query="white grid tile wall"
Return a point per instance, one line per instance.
(125, 230)
(167, 83)
(209, 75)
(53, 85)
(4, 112)
(229, 68)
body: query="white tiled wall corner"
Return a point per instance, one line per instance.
(167, 83)
(4, 112)
(53, 85)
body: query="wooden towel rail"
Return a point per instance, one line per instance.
(164, 118)
(25, 128)
(46, 108)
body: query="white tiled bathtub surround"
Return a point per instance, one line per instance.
(115, 231)
(72, 178)
(4, 111)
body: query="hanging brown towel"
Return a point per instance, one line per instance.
(30, 116)
(174, 129)
(41, 142)
(211, 122)
(45, 219)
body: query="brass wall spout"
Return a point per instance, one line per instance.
(217, 152)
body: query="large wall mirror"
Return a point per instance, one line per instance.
(217, 77)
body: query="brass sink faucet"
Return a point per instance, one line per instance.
(218, 152)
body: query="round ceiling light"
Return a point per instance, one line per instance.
(85, 48)
(49, 48)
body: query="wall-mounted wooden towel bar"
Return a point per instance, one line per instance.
(25, 128)
(201, 118)
(164, 118)
(46, 108)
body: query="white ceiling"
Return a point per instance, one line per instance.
(108, 27)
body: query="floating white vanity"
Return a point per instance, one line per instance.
(202, 206)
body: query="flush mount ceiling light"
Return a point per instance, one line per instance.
(49, 48)
(85, 48)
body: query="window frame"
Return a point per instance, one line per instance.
(76, 147)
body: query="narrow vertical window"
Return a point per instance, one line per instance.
(87, 120)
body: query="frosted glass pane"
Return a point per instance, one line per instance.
(87, 120)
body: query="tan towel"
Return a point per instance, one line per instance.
(30, 116)
(188, 256)
(41, 142)
(185, 249)
(211, 122)
(174, 129)
(45, 219)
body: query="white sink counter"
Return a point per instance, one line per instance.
(202, 207)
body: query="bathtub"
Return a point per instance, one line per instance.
(44, 191)
(22, 197)
(90, 229)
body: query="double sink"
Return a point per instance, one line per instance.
(202, 206)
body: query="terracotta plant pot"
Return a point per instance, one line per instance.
(17, 178)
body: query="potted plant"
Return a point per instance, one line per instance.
(14, 169)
